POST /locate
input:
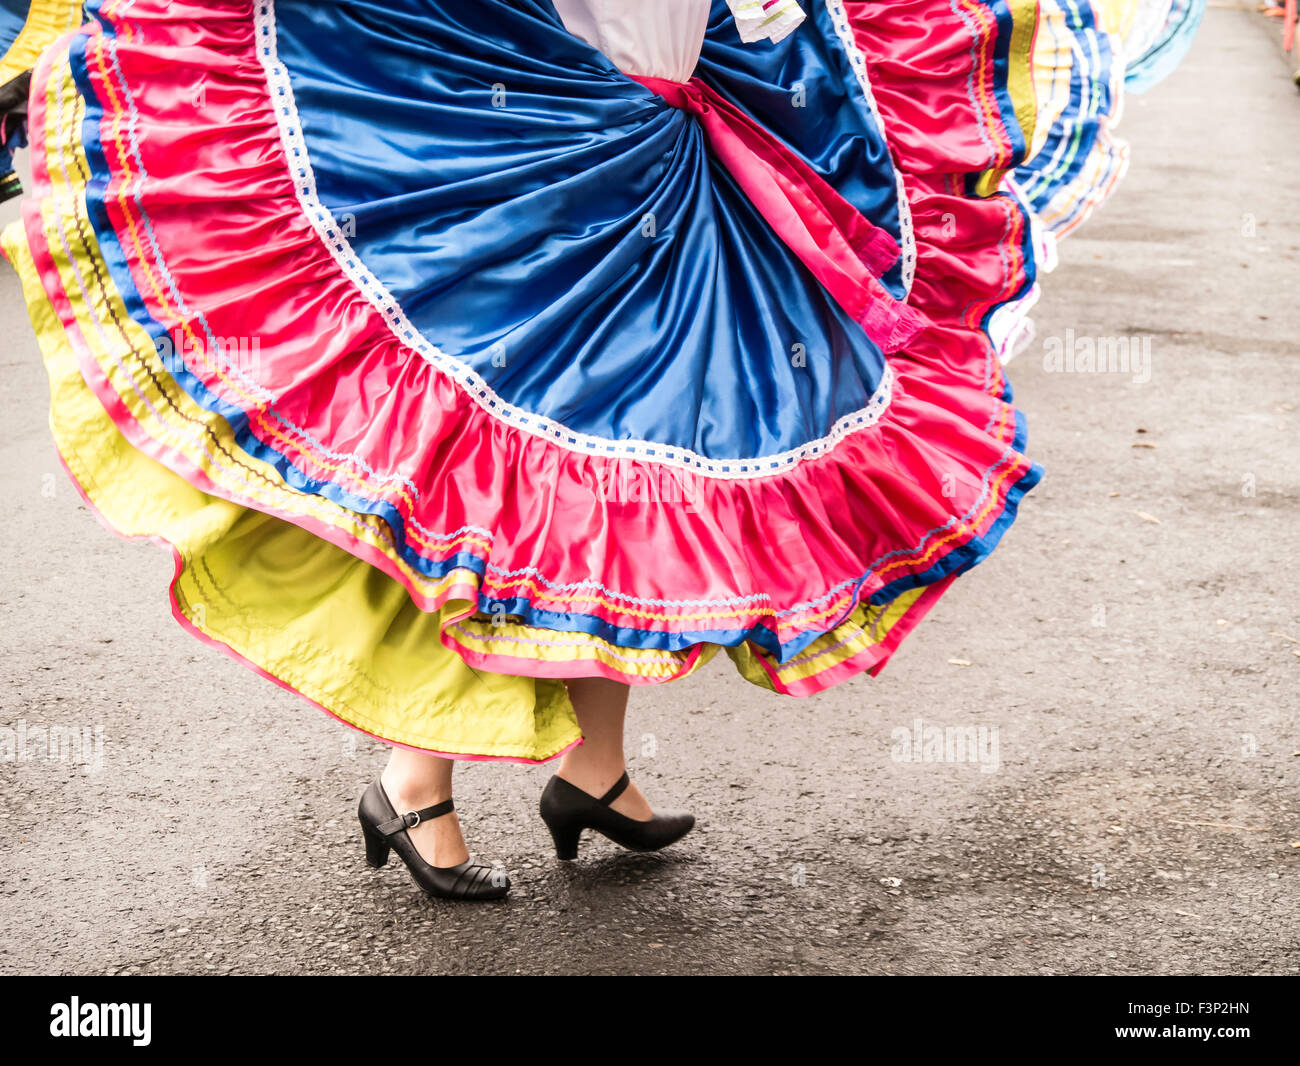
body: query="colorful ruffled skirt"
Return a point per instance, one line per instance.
(1087, 55)
(450, 361)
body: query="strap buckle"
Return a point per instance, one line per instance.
(406, 819)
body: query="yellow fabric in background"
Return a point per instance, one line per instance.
(47, 20)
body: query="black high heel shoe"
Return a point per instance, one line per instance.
(567, 811)
(385, 830)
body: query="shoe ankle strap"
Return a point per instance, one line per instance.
(616, 790)
(411, 819)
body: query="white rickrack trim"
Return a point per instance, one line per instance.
(858, 61)
(332, 236)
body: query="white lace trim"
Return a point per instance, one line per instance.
(332, 236)
(840, 19)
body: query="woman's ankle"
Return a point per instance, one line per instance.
(414, 790)
(594, 772)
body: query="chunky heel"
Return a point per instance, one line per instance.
(567, 811)
(377, 848)
(566, 840)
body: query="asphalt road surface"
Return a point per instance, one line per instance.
(1131, 652)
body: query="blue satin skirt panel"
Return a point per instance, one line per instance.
(13, 13)
(562, 230)
(805, 91)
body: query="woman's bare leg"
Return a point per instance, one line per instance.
(414, 781)
(598, 762)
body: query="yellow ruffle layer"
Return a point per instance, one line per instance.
(298, 608)
(322, 622)
(47, 20)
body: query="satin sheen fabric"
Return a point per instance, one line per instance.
(593, 263)
(165, 222)
(806, 91)
(12, 15)
(1076, 162)
(1087, 54)
(25, 30)
(839, 247)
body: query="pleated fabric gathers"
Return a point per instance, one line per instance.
(457, 350)
(1087, 55)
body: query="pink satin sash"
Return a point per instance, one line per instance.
(842, 249)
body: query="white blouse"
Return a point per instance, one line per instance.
(662, 38)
